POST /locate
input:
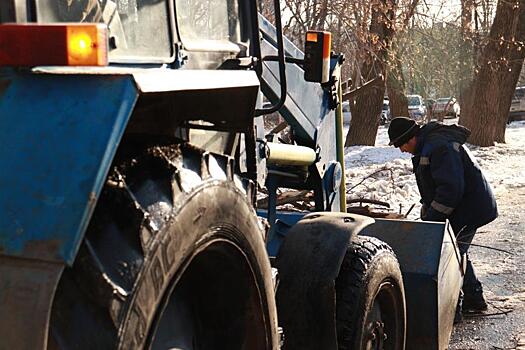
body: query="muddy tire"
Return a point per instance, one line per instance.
(173, 258)
(370, 309)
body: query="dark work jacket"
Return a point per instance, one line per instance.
(449, 179)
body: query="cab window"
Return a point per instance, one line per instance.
(208, 24)
(138, 29)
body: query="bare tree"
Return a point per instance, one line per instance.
(496, 75)
(396, 85)
(467, 55)
(367, 107)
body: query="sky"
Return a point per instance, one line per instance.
(502, 164)
(445, 10)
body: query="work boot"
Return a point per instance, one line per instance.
(473, 299)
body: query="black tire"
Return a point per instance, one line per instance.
(370, 308)
(173, 257)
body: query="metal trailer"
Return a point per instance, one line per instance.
(128, 191)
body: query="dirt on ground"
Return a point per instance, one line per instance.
(503, 278)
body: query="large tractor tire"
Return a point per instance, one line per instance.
(173, 258)
(370, 308)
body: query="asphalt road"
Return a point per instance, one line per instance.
(503, 278)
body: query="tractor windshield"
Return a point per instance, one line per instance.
(138, 29)
(208, 24)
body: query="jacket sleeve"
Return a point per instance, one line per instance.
(446, 167)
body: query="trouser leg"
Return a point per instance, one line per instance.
(472, 290)
(470, 280)
(464, 239)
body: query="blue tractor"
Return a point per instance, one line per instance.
(133, 150)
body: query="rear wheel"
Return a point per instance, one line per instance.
(370, 298)
(173, 258)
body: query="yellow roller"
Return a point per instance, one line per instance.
(283, 154)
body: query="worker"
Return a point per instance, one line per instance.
(452, 187)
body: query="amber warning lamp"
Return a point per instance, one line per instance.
(53, 44)
(318, 45)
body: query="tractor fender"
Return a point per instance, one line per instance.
(308, 263)
(60, 132)
(61, 127)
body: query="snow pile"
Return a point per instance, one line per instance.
(385, 173)
(504, 164)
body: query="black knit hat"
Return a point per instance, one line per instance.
(401, 130)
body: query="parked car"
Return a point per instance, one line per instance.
(347, 116)
(446, 107)
(416, 107)
(517, 106)
(385, 112)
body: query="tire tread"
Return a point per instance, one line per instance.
(350, 282)
(119, 237)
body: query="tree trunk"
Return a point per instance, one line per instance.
(395, 82)
(396, 86)
(365, 117)
(467, 10)
(467, 56)
(367, 108)
(495, 81)
(398, 102)
(507, 91)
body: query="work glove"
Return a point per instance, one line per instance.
(433, 215)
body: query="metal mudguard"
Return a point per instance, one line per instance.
(60, 134)
(60, 128)
(308, 262)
